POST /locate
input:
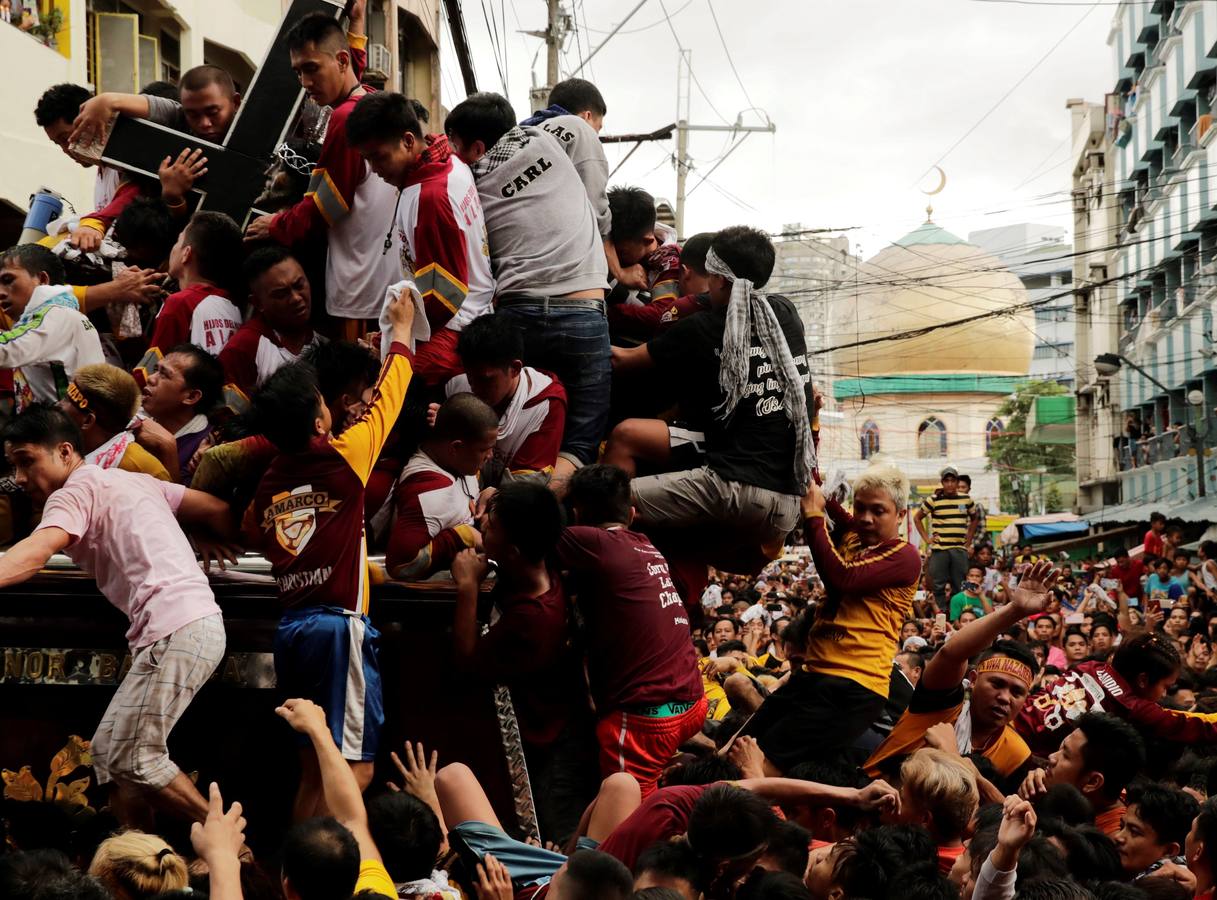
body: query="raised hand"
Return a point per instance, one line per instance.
(1034, 785)
(304, 716)
(179, 175)
(1034, 591)
(221, 836)
(1017, 824)
(418, 774)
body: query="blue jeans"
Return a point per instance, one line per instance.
(571, 340)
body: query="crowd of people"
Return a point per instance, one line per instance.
(508, 375)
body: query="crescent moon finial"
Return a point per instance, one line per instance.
(942, 182)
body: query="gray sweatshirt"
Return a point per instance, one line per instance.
(540, 225)
(583, 146)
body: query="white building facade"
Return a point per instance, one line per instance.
(808, 270)
(121, 45)
(1146, 270)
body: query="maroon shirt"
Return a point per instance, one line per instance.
(529, 649)
(1130, 576)
(662, 816)
(640, 651)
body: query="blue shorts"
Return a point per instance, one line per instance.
(330, 657)
(527, 865)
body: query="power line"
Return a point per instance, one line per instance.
(1004, 97)
(494, 46)
(727, 51)
(692, 74)
(1072, 2)
(640, 28)
(1004, 311)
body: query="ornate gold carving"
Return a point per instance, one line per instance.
(23, 786)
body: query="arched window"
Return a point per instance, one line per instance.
(869, 438)
(931, 439)
(993, 429)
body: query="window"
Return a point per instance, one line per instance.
(993, 429)
(931, 439)
(869, 439)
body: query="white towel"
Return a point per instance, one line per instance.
(420, 333)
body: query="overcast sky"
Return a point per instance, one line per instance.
(866, 95)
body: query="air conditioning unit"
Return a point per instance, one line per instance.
(380, 60)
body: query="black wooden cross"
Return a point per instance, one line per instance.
(236, 169)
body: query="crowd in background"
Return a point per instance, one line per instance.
(467, 353)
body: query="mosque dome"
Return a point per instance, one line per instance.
(926, 278)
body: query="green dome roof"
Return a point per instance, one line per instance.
(928, 233)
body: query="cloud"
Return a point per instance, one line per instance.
(866, 94)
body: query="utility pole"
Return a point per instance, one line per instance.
(684, 79)
(556, 29)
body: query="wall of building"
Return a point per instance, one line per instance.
(1161, 158)
(1096, 309)
(234, 33)
(1040, 258)
(898, 417)
(808, 269)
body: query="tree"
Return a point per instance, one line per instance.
(1053, 502)
(1011, 454)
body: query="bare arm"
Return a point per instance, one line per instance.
(26, 558)
(96, 113)
(950, 664)
(342, 794)
(796, 792)
(468, 570)
(209, 513)
(919, 524)
(632, 359)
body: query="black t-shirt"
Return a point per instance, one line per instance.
(756, 444)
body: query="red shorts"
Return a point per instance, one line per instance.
(435, 361)
(644, 745)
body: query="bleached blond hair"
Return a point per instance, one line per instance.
(135, 866)
(943, 786)
(883, 477)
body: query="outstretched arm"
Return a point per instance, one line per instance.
(342, 794)
(26, 558)
(200, 510)
(797, 792)
(950, 664)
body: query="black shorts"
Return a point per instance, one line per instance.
(813, 716)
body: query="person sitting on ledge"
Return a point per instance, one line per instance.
(436, 497)
(741, 367)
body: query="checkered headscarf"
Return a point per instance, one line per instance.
(504, 149)
(748, 312)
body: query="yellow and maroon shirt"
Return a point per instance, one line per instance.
(310, 505)
(870, 592)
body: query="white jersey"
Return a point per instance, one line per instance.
(358, 268)
(442, 233)
(46, 346)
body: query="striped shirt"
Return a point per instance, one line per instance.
(949, 517)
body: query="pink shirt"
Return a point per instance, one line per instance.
(124, 533)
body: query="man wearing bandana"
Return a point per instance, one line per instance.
(1001, 681)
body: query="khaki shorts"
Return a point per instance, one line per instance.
(700, 497)
(131, 743)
